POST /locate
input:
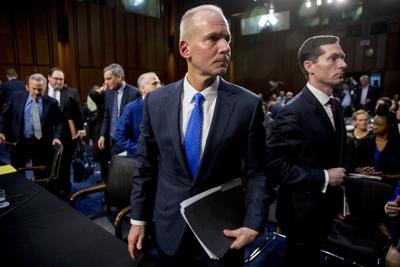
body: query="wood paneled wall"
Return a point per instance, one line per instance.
(267, 56)
(98, 35)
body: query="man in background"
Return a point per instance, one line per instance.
(119, 94)
(11, 86)
(366, 95)
(305, 153)
(71, 118)
(128, 129)
(32, 122)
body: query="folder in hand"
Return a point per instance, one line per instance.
(212, 211)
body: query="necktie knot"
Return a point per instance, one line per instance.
(198, 98)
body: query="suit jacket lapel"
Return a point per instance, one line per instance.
(63, 96)
(172, 110)
(220, 121)
(21, 115)
(45, 110)
(319, 109)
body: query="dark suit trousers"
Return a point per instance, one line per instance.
(306, 230)
(69, 146)
(191, 253)
(31, 149)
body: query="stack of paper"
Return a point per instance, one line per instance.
(359, 175)
(212, 211)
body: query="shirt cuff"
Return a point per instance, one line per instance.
(136, 222)
(326, 182)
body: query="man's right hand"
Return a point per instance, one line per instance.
(336, 176)
(2, 138)
(135, 240)
(100, 142)
(392, 207)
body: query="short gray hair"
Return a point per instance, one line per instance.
(115, 69)
(364, 78)
(141, 78)
(186, 20)
(37, 77)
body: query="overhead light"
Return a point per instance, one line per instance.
(137, 2)
(268, 19)
(263, 20)
(272, 19)
(340, 1)
(271, 8)
(319, 2)
(329, 1)
(308, 3)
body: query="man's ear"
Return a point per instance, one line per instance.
(184, 49)
(309, 66)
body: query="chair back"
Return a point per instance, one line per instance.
(119, 181)
(366, 199)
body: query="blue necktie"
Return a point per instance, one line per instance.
(114, 115)
(192, 141)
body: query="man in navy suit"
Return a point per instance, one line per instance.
(71, 117)
(127, 132)
(11, 86)
(305, 153)
(366, 95)
(174, 165)
(33, 138)
(119, 94)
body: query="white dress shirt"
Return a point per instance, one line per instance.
(54, 93)
(187, 105)
(323, 99)
(120, 92)
(364, 93)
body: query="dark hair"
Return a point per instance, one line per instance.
(11, 72)
(52, 70)
(391, 121)
(311, 49)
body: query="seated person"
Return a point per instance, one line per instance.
(360, 132)
(128, 127)
(392, 208)
(380, 154)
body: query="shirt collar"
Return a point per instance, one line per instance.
(52, 89)
(121, 89)
(210, 93)
(30, 99)
(321, 96)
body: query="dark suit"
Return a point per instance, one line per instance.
(70, 110)
(12, 125)
(372, 95)
(303, 143)
(236, 136)
(128, 128)
(9, 88)
(129, 94)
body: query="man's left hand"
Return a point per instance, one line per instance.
(242, 236)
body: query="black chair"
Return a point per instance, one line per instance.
(117, 193)
(359, 238)
(53, 169)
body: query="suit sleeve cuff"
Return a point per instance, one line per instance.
(136, 222)
(326, 182)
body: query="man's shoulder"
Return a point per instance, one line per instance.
(166, 90)
(131, 88)
(49, 100)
